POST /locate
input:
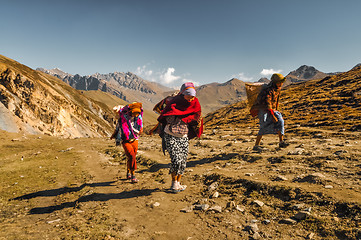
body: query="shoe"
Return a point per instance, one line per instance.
(182, 187)
(176, 187)
(258, 148)
(129, 176)
(283, 144)
(134, 179)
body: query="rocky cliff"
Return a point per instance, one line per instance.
(34, 102)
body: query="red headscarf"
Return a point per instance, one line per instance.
(188, 112)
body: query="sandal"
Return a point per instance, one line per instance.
(134, 179)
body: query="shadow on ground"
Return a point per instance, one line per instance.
(101, 197)
(59, 191)
(87, 198)
(212, 159)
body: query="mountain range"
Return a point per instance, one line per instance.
(127, 86)
(131, 87)
(61, 104)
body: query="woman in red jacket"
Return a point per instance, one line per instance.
(181, 120)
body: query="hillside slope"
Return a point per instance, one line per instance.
(330, 103)
(35, 102)
(216, 95)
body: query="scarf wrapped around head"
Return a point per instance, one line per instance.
(188, 89)
(135, 107)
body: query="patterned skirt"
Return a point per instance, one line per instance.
(266, 124)
(177, 147)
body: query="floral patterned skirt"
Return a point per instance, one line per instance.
(177, 147)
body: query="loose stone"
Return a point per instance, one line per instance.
(308, 209)
(256, 236)
(288, 221)
(266, 222)
(156, 204)
(213, 186)
(215, 195)
(252, 228)
(302, 215)
(281, 178)
(240, 208)
(259, 203)
(310, 236)
(298, 206)
(217, 209)
(203, 207)
(187, 209)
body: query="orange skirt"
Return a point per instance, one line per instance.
(131, 149)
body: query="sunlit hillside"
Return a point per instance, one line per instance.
(35, 102)
(329, 103)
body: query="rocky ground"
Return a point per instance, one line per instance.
(56, 188)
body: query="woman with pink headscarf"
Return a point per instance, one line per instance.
(181, 121)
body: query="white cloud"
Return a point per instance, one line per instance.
(142, 71)
(165, 76)
(168, 76)
(242, 76)
(269, 72)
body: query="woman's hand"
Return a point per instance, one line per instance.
(274, 119)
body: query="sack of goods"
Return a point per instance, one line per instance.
(252, 90)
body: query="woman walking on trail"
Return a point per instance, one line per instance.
(266, 107)
(181, 121)
(128, 129)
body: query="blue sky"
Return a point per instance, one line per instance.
(172, 41)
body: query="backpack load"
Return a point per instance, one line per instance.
(158, 108)
(252, 90)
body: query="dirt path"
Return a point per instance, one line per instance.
(147, 210)
(82, 193)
